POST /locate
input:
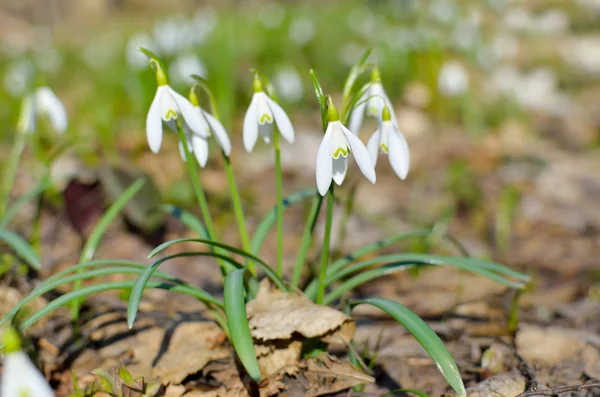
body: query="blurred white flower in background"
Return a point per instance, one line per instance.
(272, 15)
(17, 77)
(184, 66)
(288, 84)
(43, 102)
(505, 46)
(173, 34)
(503, 80)
(48, 59)
(362, 22)
(349, 53)
(302, 31)
(202, 25)
(101, 51)
(453, 79)
(552, 22)
(135, 59)
(466, 35)
(583, 53)
(519, 19)
(443, 10)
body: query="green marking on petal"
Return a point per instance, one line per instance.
(171, 114)
(265, 118)
(384, 148)
(340, 151)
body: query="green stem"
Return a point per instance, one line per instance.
(306, 238)
(279, 203)
(200, 196)
(326, 239)
(239, 212)
(11, 170)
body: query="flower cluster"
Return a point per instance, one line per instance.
(264, 113)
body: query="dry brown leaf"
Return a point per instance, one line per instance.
(278, 315)
(192, 346)
(548, 345)
(506, 385)
(275, 356)
(326, 375)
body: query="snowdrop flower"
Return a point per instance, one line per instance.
(198, 144)
(453, 79)
(389, 140)
(43, 102)
(261, 114)
(332, 157)
(20, 378)
(372, 101)
(168, 106)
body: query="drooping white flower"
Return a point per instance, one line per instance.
(371, 102)
(389, 140)
(198, 144)
(261, 115)
(20, 377)
(43, 102)
(332, 157)
(453, 79)
(168, 106)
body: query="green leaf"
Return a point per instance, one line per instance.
(141, 282)
(237, 322)
(321, 98)
(265, 268)
(307, 237)
(15, 207)
(269, 219)
(21, 247)
(98, 232)
(355, 72)
(203, 83)
(188, 219)
(416, 392)
(52, 284)
(410, 261)
(94, 289)
(424, 335)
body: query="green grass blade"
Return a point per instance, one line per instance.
(307, 237)
(416, 392)
(264, 267)
(98, 232)
(401, 265)
(187, 218)
(321, 98)
(354, 73)
(269, 219)
(15, 207)
(424, 335)
(50, 285)
(21, 248)
(94, 289)
(143, 279)
(237, 322)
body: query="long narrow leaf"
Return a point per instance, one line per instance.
(265, 268)
(15, 207)
(21, 248)
(425, 336)
(93, 241)
(321, 98)
(372, 274)
(97, 288)
(307, 237)
(237, 322)
(187, 218)
(50, 285)
(269, 219)
(143, 279)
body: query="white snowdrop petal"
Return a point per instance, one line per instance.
(250, 131)
(339, 169)
(200, 149)
(190, 114)
(48, 103)
(283, 121)
(361, 155)
(358, 113)
(21, 378)
(220, 133)
(398, 154)
(154, 127)
(324, 164)
(373, 146)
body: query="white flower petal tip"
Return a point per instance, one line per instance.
(262, 113)
(220, 133)
(190, 114)
(388, 139)
(154, 119)
(21, 378)
(48, 103)
(370, 103)
(332, 157)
